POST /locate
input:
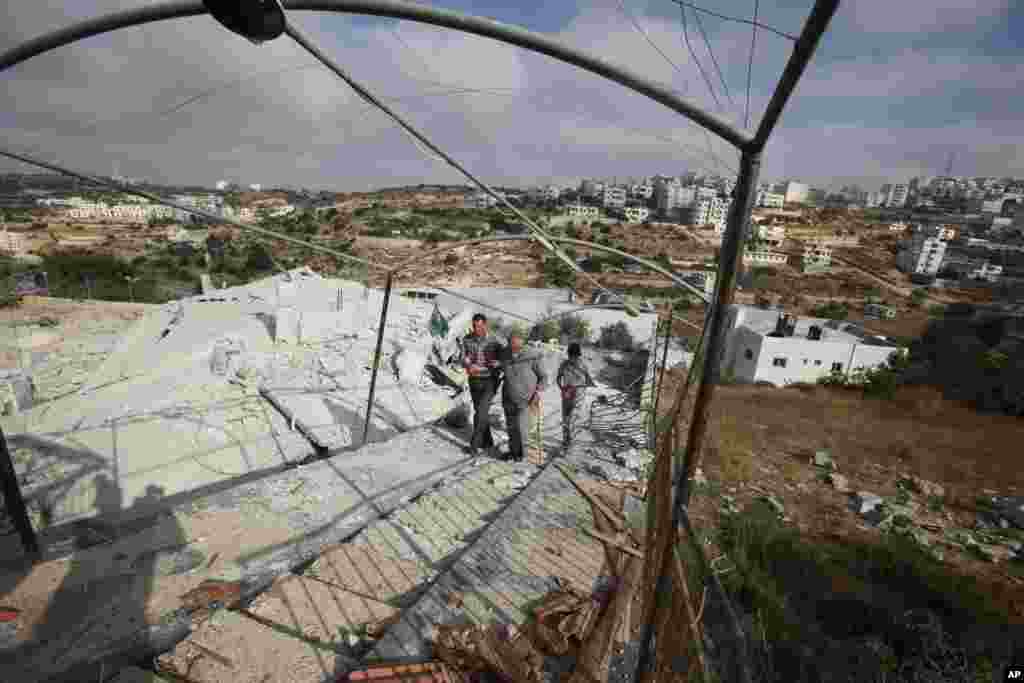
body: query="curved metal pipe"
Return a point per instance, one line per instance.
(397, 9)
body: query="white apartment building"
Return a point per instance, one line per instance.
(923, 255)
(711, 211)
(764, 257)
(480, 200)
(12, 243)
(796, 192)
(641, 191)
(671, 196)
(614, 197)
(768, 346)
(816, 258)
(591, 188)
(770, 200)
(897, 195)
(774, 235)
(582, 212)
(637, 214)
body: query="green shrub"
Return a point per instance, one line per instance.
(616, 336)
(832, 310)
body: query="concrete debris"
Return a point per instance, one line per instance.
(909, 482)
(497, 649)
(839, 482)
(774, 503)
(511, 482)
(824, 460)
(634, 458)
(868, 502)
(612, 472)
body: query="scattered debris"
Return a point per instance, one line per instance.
(909, 482)
(212, 594)
(498, 648)
(429, 672)
(824, 460)
(513, 481)
(562, 617)
(868, 502)
(839, 482)
(377, 629)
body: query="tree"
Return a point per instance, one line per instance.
(557, 273)
(616, 336)
(258, 258)
(833, 310)
(917, 297)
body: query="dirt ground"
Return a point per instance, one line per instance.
(761, 441)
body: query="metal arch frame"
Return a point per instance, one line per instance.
(398, 9)
(750, 147)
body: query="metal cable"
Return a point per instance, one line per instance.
(750, 63)
(538, 233)
(707, 43)
(782, 34)
(693, 56)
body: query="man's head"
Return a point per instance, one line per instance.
(479, 325)
(515, 341)
(575, 351)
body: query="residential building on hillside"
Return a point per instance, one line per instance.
(923, 255)
(641, 191)
(592, 189)
(989, 272)
(582, 212)
(769, 346)
(897, 196)
(816, 258)
(711, 211)
(763, 257)
(480, 200)
(636, 214)
(614, 197)
(669, 197)
(795, 193)
(773, 235)
(770, 200)
(548, 193)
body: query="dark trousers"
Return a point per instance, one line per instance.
(482, 392)
(517, 421)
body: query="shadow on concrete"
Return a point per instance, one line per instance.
(93, 605)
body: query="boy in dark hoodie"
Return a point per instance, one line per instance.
(573, 377)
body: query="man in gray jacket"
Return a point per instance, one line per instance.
(525, 379)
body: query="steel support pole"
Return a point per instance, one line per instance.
(14, 503)
(732, 245)
(660, 378)
(376, 354)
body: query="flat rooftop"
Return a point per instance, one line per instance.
(835, 331)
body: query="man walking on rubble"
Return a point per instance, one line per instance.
(573, 378)
(525, 379)
(480, 352)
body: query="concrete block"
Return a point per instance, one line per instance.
(286, 326)
(319, 326)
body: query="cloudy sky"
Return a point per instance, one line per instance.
(895, 89)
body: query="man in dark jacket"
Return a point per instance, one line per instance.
(480, 352)
(573, 379)
(524, 381)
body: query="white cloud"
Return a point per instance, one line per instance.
(885, 16)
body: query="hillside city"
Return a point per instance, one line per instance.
(860, 443)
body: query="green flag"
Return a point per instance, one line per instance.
(438, 324)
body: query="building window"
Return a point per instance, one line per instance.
(817, 362)
(748, 354)
(779, 362)
(805, 361)
(837, 367)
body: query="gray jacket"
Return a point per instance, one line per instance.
(524, 375)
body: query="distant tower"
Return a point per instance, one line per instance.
(949, 164)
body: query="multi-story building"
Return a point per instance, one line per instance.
(770, 346)
(591, 189)
(582, 212)
(796, 193)
(770, 200)
(773, 235)
(641, 191)
(548, 193)
(480, 200)
(764, 257)
(711, 211)
(670, 196)
(988, 272)
(897, 195)
(816, 258)
(923, 255)
(614, 197)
